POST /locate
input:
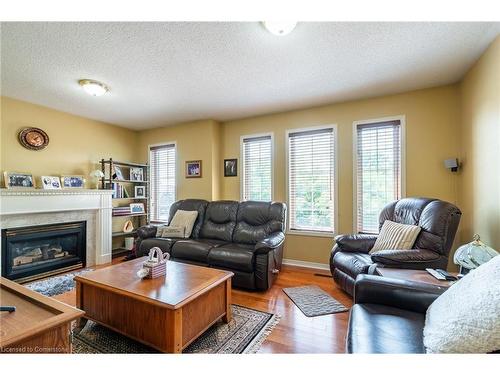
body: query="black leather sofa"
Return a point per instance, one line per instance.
(439, 222)
(245, 238)
(389, 315)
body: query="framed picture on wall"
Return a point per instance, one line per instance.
(193, 168)
(17, 180)
(230, 167)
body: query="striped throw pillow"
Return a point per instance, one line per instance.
(395, 236)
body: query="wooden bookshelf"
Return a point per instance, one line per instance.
(118, 176)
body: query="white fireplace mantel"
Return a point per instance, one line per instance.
(36, 207)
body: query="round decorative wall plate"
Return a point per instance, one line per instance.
(33, 139)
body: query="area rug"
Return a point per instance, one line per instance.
(245, 333)
(314, 301)
(56, 285)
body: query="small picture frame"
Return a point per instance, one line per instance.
(50, 182)
(118, 174)
(230, 167)
(137, 208)
(72, 182)
(193, 169)
(18, 180)
(136, 174)
(140, 192)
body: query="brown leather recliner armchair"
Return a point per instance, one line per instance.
(439, 222)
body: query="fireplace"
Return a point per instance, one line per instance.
(34, 252)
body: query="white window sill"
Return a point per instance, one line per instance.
(310, 233)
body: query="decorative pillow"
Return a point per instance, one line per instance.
(465, 318)
(159, 230)
(184, 219)
(395, 236)
(172, 232)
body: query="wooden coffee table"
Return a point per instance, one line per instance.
(166, 313)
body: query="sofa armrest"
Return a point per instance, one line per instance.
(355, 243)
(407, 295)
(146, 231)
(269, 243)
(413, 258)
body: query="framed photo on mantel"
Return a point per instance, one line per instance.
(18, 180)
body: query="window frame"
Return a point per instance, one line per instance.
(150, 175)
(242, 158)
(313, 233)
(402, 121)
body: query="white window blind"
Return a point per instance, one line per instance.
(378, 171)
(257, 168)
(162, 164)
(311, 180)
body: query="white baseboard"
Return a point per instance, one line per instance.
(301, 263)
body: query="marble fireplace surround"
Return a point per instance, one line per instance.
(21, 208)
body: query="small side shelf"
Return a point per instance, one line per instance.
(126, 179)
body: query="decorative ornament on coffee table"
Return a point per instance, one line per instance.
(33, 139)
(473, 254)
(155, 265)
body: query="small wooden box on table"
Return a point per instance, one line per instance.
(39, 325)
(166, 313)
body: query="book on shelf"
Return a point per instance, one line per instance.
(119, 191)
(121, 211)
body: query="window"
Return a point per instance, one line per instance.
(311, 180)
(162, 170)
(377, 170)
(257, 179)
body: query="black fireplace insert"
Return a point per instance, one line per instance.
(39, 251)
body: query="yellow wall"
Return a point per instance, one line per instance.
(432, 124)
(198, 140)
(76, 143)
(480, 149)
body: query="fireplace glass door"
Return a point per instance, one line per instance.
(38, 251)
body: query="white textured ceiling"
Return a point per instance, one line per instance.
(165, 73)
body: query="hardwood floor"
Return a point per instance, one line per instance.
(295, 332)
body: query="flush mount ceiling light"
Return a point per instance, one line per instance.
(93, 88)
(280, 28)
